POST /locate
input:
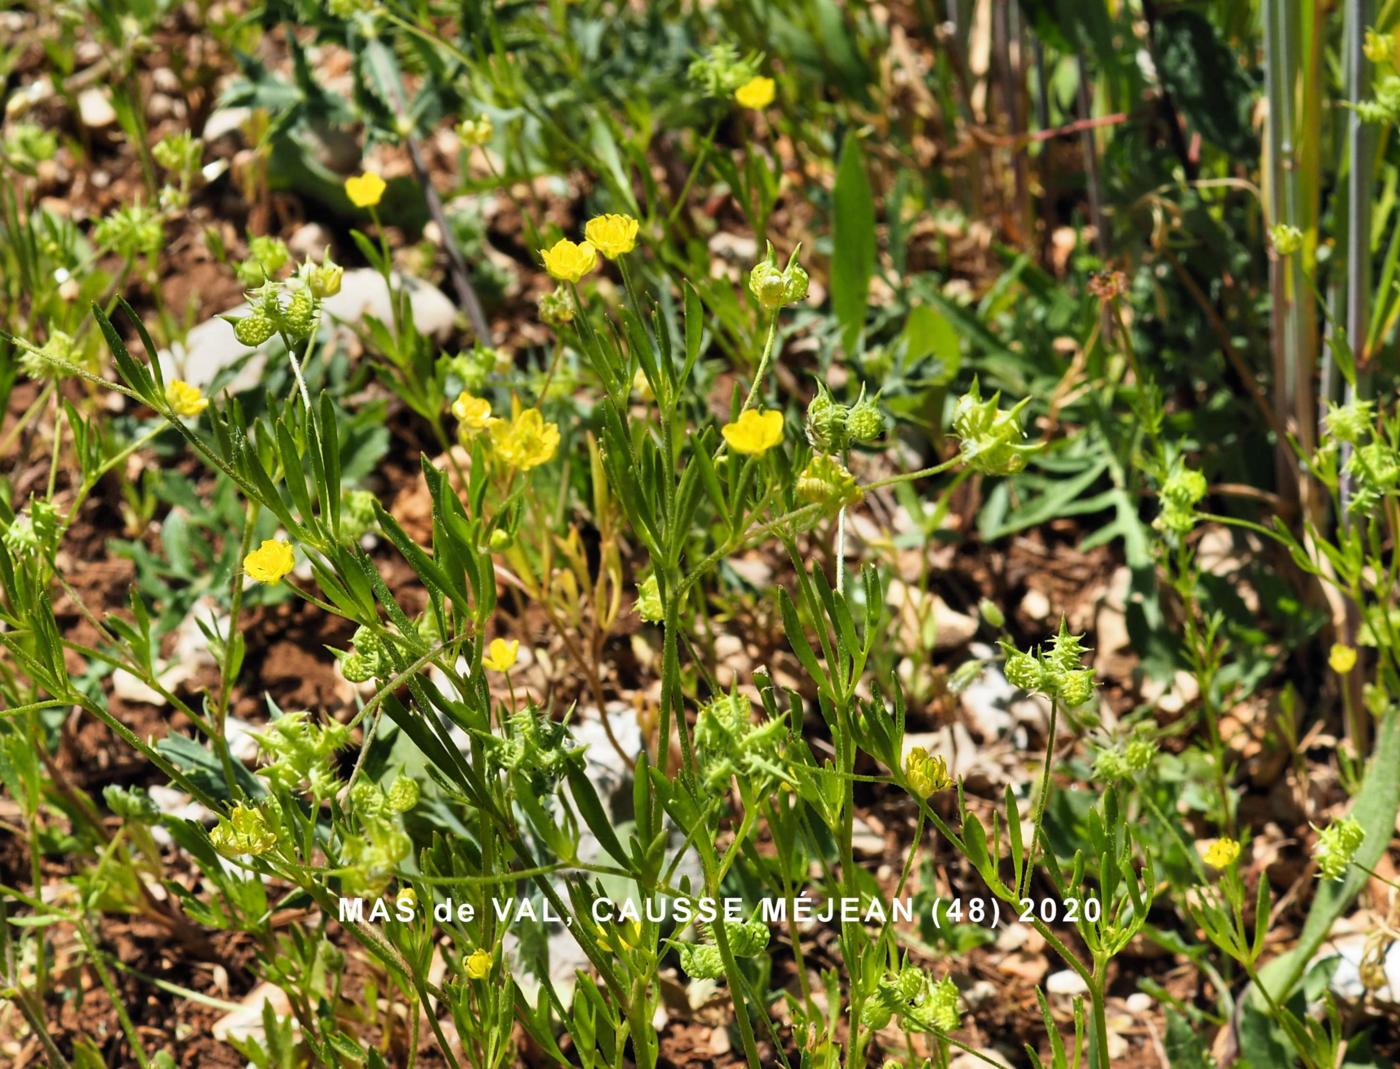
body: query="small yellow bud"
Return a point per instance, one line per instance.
(1342, 659)
(478, 964)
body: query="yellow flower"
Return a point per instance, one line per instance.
(525, 441)
(185, 399)
(406, 897)
(365, 190)
(479, 964)
(612, 234)
(501, 655)
(1342, 659)
(756, 93)
(270, 561)
(569, 262)
(755, 432)
(1222, 853)
(473, 413)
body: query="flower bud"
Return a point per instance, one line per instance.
(774, 287)
(926, 775)
(991, 613)
(477, 131)
(324, 279)
(478, 965)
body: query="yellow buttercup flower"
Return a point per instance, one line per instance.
(569, 262)
(1222, 853)
(270, 562)
(755, 432)
(525, 441)
(365, 190)
(612, 234)
(501, 655)
(1342, 659)
(478, 964)
(756, 93)
(185, 399)
(472, 413)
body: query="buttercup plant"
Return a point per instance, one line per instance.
(974, 588)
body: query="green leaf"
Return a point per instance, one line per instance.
(926, 333)
(591, 810)
(853, 252)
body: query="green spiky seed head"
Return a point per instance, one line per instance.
(826, 424)
(747, 939)
(1075, 688)
(253, 330)
(866, 422)
(1022, 670)
(403, 795)
(701, 961)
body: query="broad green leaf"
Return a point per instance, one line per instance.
(853, 253)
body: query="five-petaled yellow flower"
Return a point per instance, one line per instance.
(473, 413)
(755, 432)
(185, 399)
(756, 93)
(1342, 659)
(569, 262)
(478, 964)
(501, 655)
(613, 235)
(270, 562)
(1222, 853)
(365, 190)
(525, 441)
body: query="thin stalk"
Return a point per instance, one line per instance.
(1043, 793)
(1360, 14)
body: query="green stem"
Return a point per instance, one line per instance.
(762, 362)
